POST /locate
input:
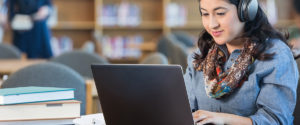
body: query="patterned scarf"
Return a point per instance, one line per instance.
(219, 83)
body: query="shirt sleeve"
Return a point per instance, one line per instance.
(277, 98)
(189, 84)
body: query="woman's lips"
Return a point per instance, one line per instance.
(217, 33)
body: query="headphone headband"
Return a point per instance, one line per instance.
(247, 10)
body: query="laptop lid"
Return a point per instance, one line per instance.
(142, 94)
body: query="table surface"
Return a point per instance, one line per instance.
(9, 66)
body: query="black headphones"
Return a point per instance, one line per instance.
(247, 10)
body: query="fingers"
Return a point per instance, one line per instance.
(199, 116)
(198, 123)
(205, 121)
(202, 117)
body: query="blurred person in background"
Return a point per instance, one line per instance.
(3, 11)
(28, 20)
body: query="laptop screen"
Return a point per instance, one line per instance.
(142, 94)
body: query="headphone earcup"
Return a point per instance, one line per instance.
(240, 11)
(252, 8)
(247, 10)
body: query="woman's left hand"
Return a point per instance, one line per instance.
(202, 117)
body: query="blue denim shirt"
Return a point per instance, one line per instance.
(268, 97)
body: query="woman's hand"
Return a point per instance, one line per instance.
(3, 19)
(202, 117)
(42, 13)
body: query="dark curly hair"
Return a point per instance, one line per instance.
(258, 31)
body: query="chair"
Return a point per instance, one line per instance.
(174, 50)
(50, 75)
(155, 58)
(184, 38)
(9, 52)
(80, 61)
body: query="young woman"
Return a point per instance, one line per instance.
(244, 73)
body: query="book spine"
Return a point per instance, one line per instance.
(38, 97)
(41, 111)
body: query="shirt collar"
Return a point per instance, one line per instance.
(224, 49)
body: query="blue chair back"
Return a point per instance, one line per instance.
(50, 75)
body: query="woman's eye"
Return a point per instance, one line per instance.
(221, 14)
(205, 14)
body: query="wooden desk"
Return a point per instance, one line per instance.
(92, 102)
(93, 89)
(9, 66)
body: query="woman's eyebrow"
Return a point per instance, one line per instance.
(217, 8)
(203, 9)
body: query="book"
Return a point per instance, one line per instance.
(40, 122)
(31, 94)
(68, 109)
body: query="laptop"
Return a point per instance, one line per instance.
(142, 94)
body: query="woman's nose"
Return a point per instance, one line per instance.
(213, 23)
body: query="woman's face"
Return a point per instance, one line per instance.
(220, 19)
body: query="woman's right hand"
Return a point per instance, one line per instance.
(202, 117)
(3, 19)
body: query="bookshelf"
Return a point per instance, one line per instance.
(193, 23)
(144, 26)
(75, 19)
(78, 25)
(150, 27)
(79, 19)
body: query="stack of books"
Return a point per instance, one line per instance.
(38, 104)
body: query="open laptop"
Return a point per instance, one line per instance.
(142, 94)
